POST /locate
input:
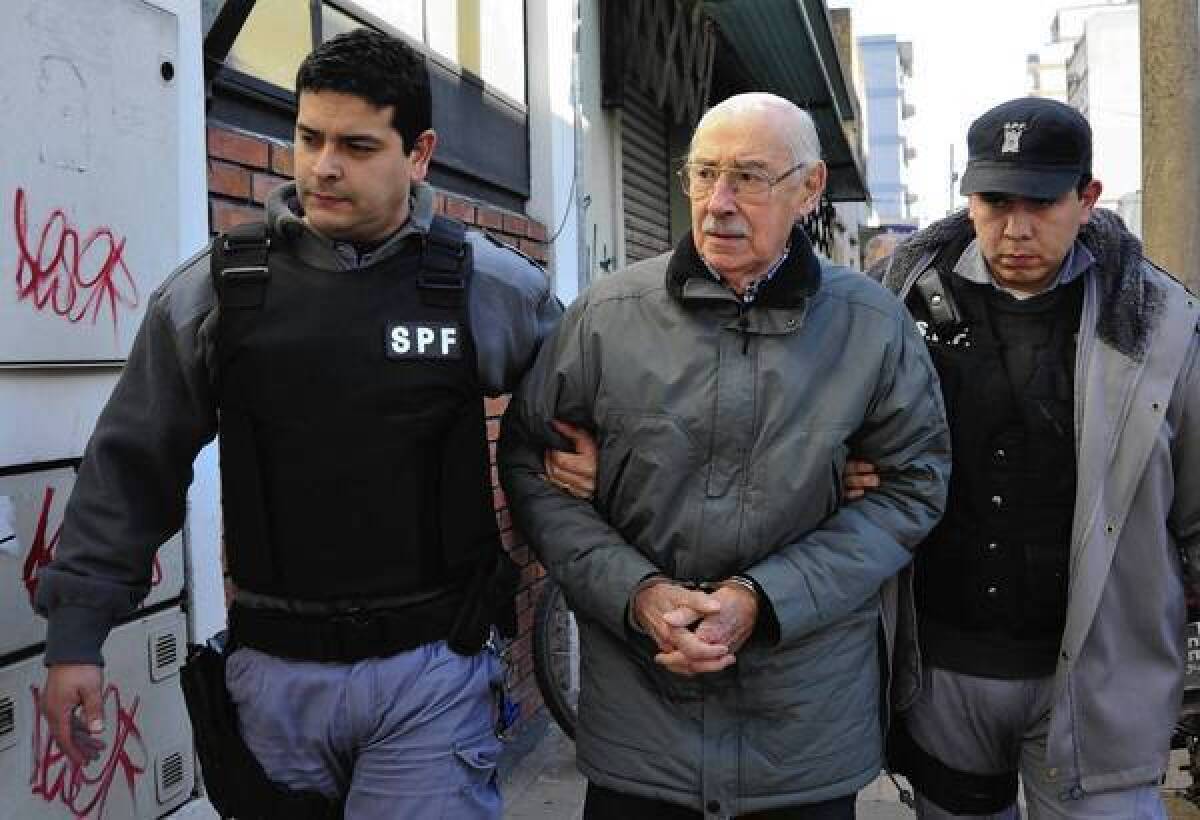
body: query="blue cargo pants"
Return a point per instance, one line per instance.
(410, 735)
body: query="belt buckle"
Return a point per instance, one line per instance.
(352, 618)
(352, 633)
(355, 617)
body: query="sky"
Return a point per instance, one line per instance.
(968, 55)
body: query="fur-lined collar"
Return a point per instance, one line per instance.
(1130, 304)
(798, 277)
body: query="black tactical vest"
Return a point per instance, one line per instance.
(997, 563)
(354, 456)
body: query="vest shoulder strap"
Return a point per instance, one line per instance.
(239, 266)
(240, 272)
(936, 293)
(939, 301)
(445, 263)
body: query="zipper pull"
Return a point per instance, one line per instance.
(743, 328)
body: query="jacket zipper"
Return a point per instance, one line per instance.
(743, 328)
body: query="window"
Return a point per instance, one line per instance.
(477, 76)
(502, 46)
(335, 22)
(276, 37)
(407, 16)
(483, 37)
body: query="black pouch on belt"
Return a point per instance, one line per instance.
(489, 600)
(235, 782)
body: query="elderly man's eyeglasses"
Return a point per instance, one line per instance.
(747, 184)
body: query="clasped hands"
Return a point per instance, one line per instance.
(695, 631)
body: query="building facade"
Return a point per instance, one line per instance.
(887, 67)
(1104, 83)
(1092, 62)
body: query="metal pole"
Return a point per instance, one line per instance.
(1170, 56)
(953, 183)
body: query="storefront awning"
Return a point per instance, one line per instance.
(787, 47)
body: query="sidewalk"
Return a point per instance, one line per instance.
(538, 777)
(539, 781)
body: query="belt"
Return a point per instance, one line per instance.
(343, 637)
(341, 606)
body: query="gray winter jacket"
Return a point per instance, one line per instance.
(723, 433)
(129, 495)
(1137, 506)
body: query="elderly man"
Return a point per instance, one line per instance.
(1050, 598)
(727, 599)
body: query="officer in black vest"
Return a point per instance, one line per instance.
(998, 293)
(342, 348)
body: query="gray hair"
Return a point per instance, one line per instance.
(796, 124)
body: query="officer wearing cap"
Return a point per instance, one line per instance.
(1047, 640)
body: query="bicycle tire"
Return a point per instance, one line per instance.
(556, 656)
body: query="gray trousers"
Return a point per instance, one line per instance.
(411, 735)
(991, 726)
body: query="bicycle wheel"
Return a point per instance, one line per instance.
(556, 656)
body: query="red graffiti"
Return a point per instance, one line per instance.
(76, 278)
(55, 777)
(41, 552)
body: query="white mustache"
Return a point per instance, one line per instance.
(713, 225)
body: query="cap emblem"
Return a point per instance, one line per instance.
(1012, 137)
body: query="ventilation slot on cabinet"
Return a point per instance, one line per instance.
(171, 775)
(8, 721)
(164, 655)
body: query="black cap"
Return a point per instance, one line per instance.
(1031, 147)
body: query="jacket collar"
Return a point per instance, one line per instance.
(973, 267)
(285, 220)
(798, 277)
(1130, 304)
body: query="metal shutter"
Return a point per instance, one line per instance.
(645, 177)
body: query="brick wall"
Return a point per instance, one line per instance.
(242, 170)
